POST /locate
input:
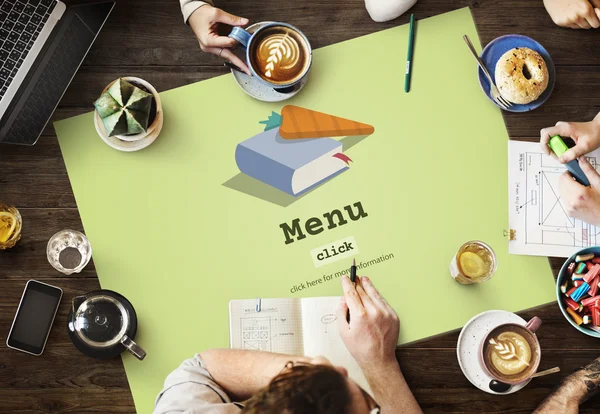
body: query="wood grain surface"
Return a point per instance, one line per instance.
(147, 38)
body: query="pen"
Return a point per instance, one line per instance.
(232, 66)
(411, 41)
(352, 279)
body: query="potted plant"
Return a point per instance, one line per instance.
(128, 114)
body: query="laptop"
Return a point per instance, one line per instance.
(42, 44)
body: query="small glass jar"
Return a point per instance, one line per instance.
(10, 226)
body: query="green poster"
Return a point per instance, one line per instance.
(197, 219)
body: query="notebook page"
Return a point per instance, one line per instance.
(322, 338)
(276, 328)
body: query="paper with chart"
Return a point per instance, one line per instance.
(536, 211)
(305, 326)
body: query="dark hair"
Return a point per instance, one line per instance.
(303, 389)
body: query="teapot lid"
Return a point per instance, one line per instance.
(101, 321)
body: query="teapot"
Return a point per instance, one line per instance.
(103, 324)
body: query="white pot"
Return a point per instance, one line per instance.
(138, 141)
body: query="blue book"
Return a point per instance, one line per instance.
(293, 166)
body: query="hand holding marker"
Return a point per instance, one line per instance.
(559, 147)
(352, 279)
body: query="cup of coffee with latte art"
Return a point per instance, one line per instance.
(278, 54)
(511, 353)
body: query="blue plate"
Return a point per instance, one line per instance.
(496, 48)
(562, 276)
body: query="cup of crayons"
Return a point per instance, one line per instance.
(578, 291)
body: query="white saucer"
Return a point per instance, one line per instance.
(255, 88)
(469, 340)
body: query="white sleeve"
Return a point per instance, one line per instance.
(191, 389)
(190, 6)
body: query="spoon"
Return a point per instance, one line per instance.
(502, 387)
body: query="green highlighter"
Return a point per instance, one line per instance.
(559, 147)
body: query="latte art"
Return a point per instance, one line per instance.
(509, 353)
(280, 55)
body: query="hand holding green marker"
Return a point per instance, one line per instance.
(558, 146)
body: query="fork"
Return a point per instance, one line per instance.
(503, 103)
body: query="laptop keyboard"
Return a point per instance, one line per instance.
(20, 24)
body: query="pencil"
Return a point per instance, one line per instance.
(411, 42)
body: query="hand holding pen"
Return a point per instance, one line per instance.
(372, 334)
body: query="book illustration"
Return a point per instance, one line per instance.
(295, 153)
(537, 215)
(256, 333)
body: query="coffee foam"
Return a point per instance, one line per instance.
(280, 55)
(510, 352)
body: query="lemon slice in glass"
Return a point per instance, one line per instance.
(472, 265)
(8, 222)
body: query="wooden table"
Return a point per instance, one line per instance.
(147, 38)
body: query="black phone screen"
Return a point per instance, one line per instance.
(34, 318)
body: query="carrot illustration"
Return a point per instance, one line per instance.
(296, 123)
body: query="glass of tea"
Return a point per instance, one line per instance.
(10, 226)
(475, 262)
(69, 251)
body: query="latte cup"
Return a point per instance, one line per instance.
(278, 54)
(505, 351)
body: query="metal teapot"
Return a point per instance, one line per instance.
(103, 324)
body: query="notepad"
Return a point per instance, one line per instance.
(292, 166)
(306, 326)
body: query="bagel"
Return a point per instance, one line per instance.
(521, 75)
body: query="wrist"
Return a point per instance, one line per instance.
(381, 369)
(195, 18)
(573, 388)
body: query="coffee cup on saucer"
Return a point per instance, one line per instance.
(510, 353)
(278, 55)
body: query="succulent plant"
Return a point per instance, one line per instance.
(124, 108)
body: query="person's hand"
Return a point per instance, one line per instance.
(585, 134)
(205, 22)
(372, 334)
(576, 14)
(582, 202)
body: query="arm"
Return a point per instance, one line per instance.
(575, 389)
(371, 337)
(242, 373)
(190, 6)
(575, 14)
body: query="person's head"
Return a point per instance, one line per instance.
(316, 388)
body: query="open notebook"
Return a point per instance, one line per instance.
(306, 326)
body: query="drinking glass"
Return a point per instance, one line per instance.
(474, 262)
(10, 226)
(69, 251)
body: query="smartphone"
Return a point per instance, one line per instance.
(35, 315)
